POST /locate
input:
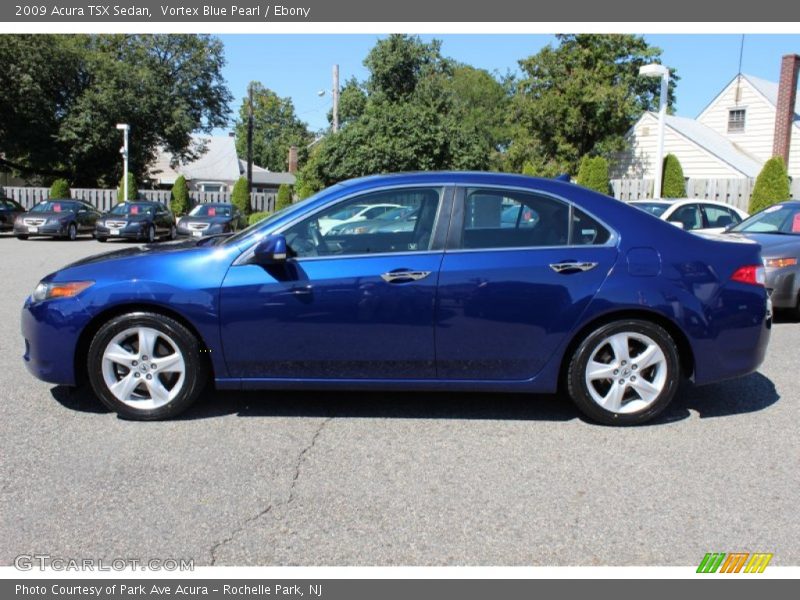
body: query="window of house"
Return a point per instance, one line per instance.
(736, 120)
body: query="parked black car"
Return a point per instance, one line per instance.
(137, 220)
(9, 210)
(210, 219)
(57, 218)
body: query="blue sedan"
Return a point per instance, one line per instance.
(578, 292)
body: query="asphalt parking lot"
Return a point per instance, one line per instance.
(392, 479)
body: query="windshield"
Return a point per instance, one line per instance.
(204, 210)
(654, 208)
(130, 208)
(264, 223)
(55, 207)
(780, 219)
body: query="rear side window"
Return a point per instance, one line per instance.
(514, 219)
(719, 216)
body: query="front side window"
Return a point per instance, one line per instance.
(403, 222)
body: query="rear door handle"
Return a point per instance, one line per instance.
(399, 276)
(572, 267)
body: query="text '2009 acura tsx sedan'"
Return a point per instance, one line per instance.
(579, 291)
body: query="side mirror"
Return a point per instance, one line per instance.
(678, 224)
(271, 250)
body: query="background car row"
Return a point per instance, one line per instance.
(144, 221)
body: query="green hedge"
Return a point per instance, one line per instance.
(257, 216)
(59, 190)
(133, 191)
(673, 184)
(593, 174)
(240, 197)
(284, 197)
(179, 200)
(772, 185)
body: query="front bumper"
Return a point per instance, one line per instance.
(48, 230)
(51, 330)
(129, 232)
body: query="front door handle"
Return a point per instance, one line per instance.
(568, 267)
(404, 276)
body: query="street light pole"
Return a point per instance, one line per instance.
(656, 70)
(335, 98)
(125, 128)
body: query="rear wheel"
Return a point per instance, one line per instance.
(624, 373)
(145, 366)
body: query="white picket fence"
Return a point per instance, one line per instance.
(104, 199)
(735, 192)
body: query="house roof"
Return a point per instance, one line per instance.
(769, 89)
(713, 143)
(218, 163)
(262, 176)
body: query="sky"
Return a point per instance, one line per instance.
(299, 65)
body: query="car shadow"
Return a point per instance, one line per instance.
(748, 394)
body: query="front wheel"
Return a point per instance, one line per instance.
(145, 366)
(151, 234)
(173, 232)
(624, 373)
(22, 237)
(72, 232)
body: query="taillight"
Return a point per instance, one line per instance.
(752, 274)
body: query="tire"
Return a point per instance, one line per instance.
(102, 240)
(173, 232)
(644, 391)
(72, 232)
(151, 234)
(22, 237)
(123, 377)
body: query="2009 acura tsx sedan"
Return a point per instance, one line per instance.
(585, 293)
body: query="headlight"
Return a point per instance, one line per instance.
(779, 263)
(64, 289)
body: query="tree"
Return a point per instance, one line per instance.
(284, 198)
(772, 185)
(275, 128)
(580, 97)
(179, 198)
(240, 197)
(59, 189)
(63, 95)
(673, 184)
(133, 192)
(417, 111)
(593, 174)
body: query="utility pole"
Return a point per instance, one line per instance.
(124, 128)
(250, 139)
(335, 92)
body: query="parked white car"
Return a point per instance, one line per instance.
(358, 212)
(693, 214)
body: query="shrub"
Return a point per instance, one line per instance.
(284, 198)
(258, 216)
(772, 185)
(179, 199)
(673, 184)
(60, 189)
(132, 190)
(593, 174)
(529, 169)
(240, 197)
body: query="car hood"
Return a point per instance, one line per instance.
(133, 252)
(206, 219)
(49, 215)
(771, 244)
(129, 218)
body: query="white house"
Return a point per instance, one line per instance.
(216, 170)
(731, 138)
